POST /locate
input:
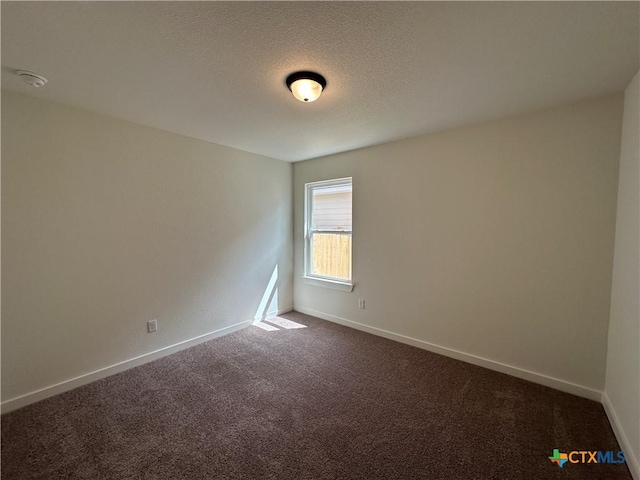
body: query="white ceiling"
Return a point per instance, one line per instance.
(216, 71)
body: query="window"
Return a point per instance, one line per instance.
(328, 230)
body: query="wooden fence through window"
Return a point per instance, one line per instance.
(332, 255)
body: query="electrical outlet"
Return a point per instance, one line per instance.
(152, 326)
(361, 303)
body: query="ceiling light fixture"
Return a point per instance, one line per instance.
(31, 78)
(306, 86)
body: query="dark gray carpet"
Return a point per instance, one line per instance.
(322, 402)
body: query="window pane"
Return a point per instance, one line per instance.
(331, 255)
(331, 208)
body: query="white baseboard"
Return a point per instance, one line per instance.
(534, 377)
(50, 391)
(629, 453)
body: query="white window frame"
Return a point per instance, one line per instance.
(310, 277)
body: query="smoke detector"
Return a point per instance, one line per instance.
(31, 78)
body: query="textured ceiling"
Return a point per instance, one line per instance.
(215, 71)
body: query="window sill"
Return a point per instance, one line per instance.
(321, 282)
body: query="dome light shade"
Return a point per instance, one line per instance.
(306, 86)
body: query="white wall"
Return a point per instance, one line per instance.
(622, 389)
(107, 224)
(494, 240)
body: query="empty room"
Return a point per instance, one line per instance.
(320, 240)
